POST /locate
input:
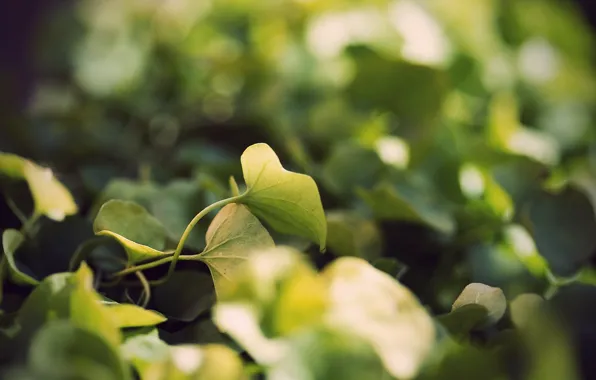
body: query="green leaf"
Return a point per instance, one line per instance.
(288, 201)
(524, 307)
(11, 240)
(62, 350)
(68, 296)
(50, 196)
(349, 234)
(142, 236)
(187, 305)
(193, 362)
(461, 321)
(410, 203)
(144, 349)
(391, 266)
(128, 315)
(375, 307)
(490, 297)
(234, 233)
(568, 251)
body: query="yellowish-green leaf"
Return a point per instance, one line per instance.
(140, 234)
(50, 196)
(368, 303)
(233, 234)
(11, 240)
(128, 315)
(193, 362)
(288, 201)
(490, 297)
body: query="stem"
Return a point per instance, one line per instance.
(174, 258)
(146, 294)
(551, 291)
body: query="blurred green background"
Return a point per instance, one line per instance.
(456, 137)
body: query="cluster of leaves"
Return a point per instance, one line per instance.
(452, 142)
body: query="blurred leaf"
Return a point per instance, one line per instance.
(408, 202)
(373, 306)
(288, 201)
(198, 295)
(463, 320)
(11, 240)
(143, 349)
(489, 297)
(351, 166)
(71, 297)
(524, 307)
(351, 235)
(231, 237)
(61, 350)
(566, 252)
(390, 266)
(51, 198)
(128, 315)
(191, 362)
(142, 236)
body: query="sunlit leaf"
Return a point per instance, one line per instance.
(490, 297)
(11, 240)
(142, 236)
(128, 315)
(193, 362)
(69, 296)
(288, 201)
(50, 196)
(370, 304)
(234, 233)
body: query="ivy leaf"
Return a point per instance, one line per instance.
(351, 235)
(50, 196)
(68, 296)
(128, 315)
(11, 240)
(288, 201)
(140, 234)
(143, 349)
(375, 307)
(407, 202)
(62, 350)
(490, 297)
(461, 321)
(232, 235)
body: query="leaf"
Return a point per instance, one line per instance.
(409, 203)
(351, 235)
(566, 252)
(234, 233)
(68, 296)
(491, 298)
(128, 315)
(373, 306)
(51, 197)
(11, 240)
(142, 236)
(144, 349)
(524, 307)
(463, 320)
(288, 201)
(62, 350)
(189, 304)
(193, 362)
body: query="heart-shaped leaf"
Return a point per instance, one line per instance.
(231, 237)
(142, 236)
(128, 315)
(11, 240)
(288, 201)
(378, 309)
(408, 202)
(351, 235)
(50, 196)
(490, 297)
(69, 296)
(62, 350)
